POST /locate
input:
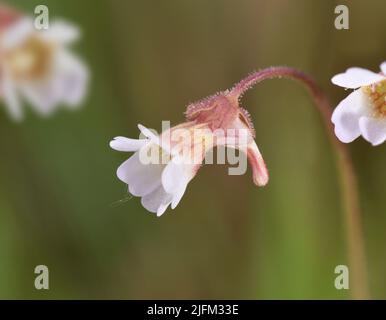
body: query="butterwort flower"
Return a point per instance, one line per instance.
(181, 150)
(37, 65)
(362, 112)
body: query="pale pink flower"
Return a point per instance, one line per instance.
(163, 183)
(362, 112)
(38, 66)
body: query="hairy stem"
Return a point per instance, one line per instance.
(348, 180)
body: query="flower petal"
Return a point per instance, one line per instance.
(42, 95)
(70, 78)
(383, 68)
(162, 208)
(373, 130)
(61, 32)
(11, 99)
(157, 201)
(356, 77)
(176, 177)
(346, 116)
(141, 178)
(17, 33)
(148, 134)
(126, 144)
(66, 84)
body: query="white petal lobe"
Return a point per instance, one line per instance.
(356, 77)
(126, 144)
(142, 179)
(157, 201)
(177, 175)
(61, 32)
(373, 130)
(346, 116)
(383, 68)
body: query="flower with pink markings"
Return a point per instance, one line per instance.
(214, 121)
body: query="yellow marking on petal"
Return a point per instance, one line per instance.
(376, 93)
(30, 60)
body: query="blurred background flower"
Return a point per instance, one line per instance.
(37, 65)
(60, 203)
(362, 112)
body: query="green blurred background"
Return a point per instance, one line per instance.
(59, 195)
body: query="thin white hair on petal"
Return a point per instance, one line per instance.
(119, 202)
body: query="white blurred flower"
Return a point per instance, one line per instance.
(362, 112)
(38, 66)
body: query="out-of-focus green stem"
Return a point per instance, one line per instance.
(348, 180)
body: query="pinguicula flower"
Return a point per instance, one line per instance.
(214, 121)
(38, 66)
(362, 112)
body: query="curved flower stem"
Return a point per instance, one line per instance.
(348, 180)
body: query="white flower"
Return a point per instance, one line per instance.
(159, 183)
(38, 66)
(212, 122)
(362, 112)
